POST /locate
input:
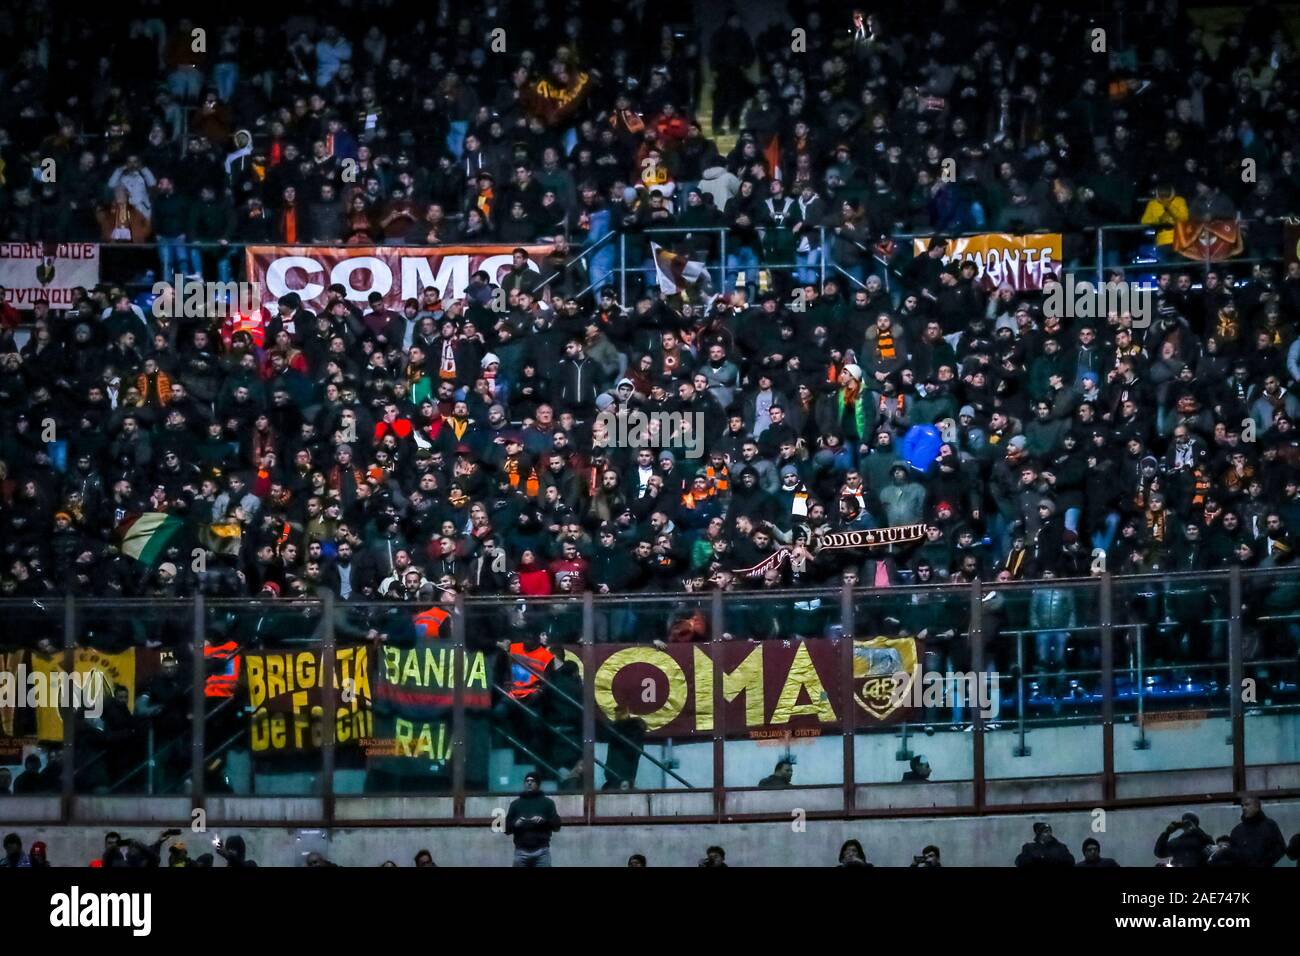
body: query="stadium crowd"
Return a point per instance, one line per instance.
(448, 448)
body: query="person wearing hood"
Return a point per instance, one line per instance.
(877, 465)
(14, 857)
(719, 183)
(234, 852)
(749, 499)
(903, 501)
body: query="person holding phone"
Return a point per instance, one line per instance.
(1183, 842)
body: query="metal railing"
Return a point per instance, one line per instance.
(1124, 659)
(1130, 248)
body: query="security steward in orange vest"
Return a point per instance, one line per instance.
(526, 660)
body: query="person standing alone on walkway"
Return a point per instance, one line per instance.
(532, 818)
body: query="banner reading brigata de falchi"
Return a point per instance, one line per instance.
(397, 273)
(34, 271)
(395, 702)
(770, 688)
(1019, 261)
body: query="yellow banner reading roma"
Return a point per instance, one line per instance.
(117, 670)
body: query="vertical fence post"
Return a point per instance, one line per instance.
(69, 775)
(198, 706)
(1101, 254)
(821, 255)
(329, 708)
(1236, 672)
(458, 736)
(722, 251)
(717, 623)
(849, 719)
(622, 269)
(1106, 601)
(977, 665)
(589, 706)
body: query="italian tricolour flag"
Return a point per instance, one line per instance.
(145, 537)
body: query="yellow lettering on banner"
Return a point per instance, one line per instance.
(260, 733)
(279, 734)
(275, 682)
(256, 681)
(411, 671)
(305, 669)
(674, 700)
(747, 679)
(703, 690)
(342, 725)
(402, 732)
(803, 676)
(351, 666)
(300, 718)
(478, 671)
(424, 745)
(435, 667)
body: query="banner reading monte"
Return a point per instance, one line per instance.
(1020, 261)
(396, 273)
(31, 271)
(770, 688)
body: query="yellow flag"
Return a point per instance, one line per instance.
(118, 670)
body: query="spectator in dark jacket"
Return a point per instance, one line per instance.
(532, 818)
(1044, 849)
(1092, 855)
(580, 378)
(1256, 840)
(1186, 849)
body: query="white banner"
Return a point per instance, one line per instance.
(32, 271)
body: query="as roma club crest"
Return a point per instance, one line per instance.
(884, 669)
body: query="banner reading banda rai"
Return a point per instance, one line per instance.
(396, 273)
(1020, 261)
(414, 695)
(770, 688)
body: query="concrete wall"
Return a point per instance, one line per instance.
(1129, 836)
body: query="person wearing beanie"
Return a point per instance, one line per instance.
(850, 414)
(531, 819)
(1188, 846)
(1092, 857)
(1044, 850)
